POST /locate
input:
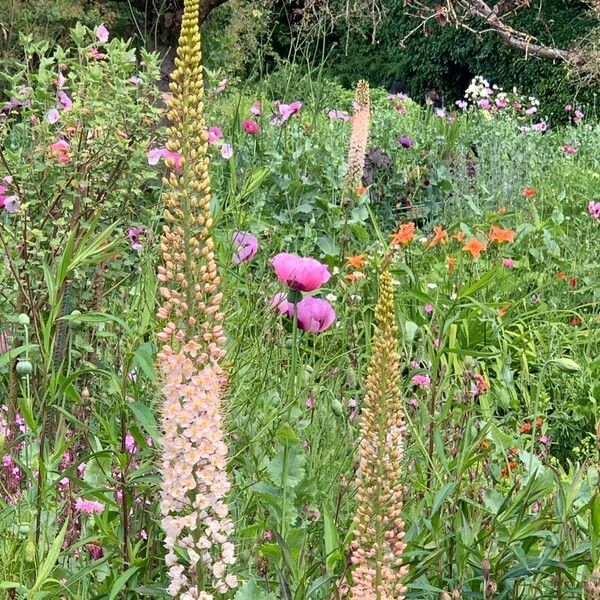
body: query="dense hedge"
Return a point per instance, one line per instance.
(447, 58)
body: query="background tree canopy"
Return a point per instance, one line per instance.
(368, 39)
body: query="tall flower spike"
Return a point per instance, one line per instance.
(195, 516)
(358, 137)
(377, 549)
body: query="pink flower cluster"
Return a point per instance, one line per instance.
(89, 507)
(195, 482)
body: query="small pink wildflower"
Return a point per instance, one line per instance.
(509, 263)
(53, 116)
(422, 381)
(214, 134)
(250, 126)
(226, 151)
(90, 507)
(570, 150)
(102, 33)
(256, 109)
(594, 209)
(428, 308)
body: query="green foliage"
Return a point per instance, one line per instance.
(446, 58)
(500, 466)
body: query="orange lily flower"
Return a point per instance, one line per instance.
(497, 234)
(459, 236)
(561, 275)
(356, 261)
(405, 234)
(501, 210)
(355, 276)
(475, 247)
(525, 427)
(450, 263)
(440, 237)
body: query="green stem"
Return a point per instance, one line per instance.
(291, 396)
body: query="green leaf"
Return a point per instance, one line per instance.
(144, 359)
(121, 581)
(286, 435)
(595, 514)
(482, 282)
(145, 417)
(96, 317)
(14, 352)
(50, 560)
(295, 467)
(332, 541)
(251, 591)
(442, 495)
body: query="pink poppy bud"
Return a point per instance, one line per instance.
(246, 246)
(299, 273)
(281, 305)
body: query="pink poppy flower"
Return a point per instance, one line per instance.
(531, 110)
(577, 116)
(423, 381)
(61, 150)
(134, 235)
(246, 246)
(315, 314)
(299, 273)
(485, 104)
(568, 107)
(90, 507)
(64, 100)
(53, 116)
(102, 33)
(286, 111)
(570, 150)
(281, 305)
(501, 102)
(250, 126)
(226, 151)
(214, 134)
(462, 104)
(256, 109)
